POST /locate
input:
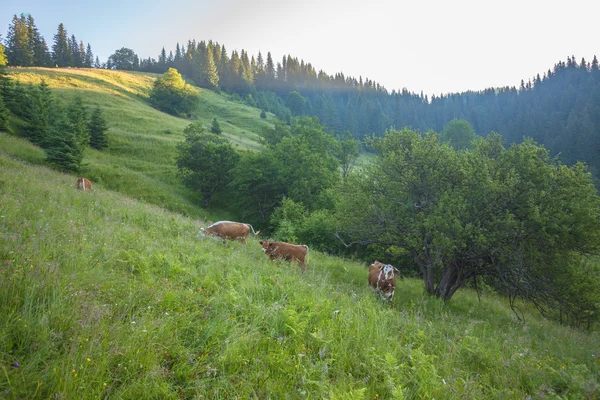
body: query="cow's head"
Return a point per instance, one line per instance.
(266, 246)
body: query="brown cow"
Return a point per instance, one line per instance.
(382, 278)
(83, 184)
(286, 251)
(228, 230)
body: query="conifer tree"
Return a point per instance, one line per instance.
(209, 69)
(61, 55)
(75, 54)
(18, 47)
(595, 64)
(82, 54)
(215, 127)
(97, 130)
(68, 138)
(37, 45)
(89, 57)
(40, 114)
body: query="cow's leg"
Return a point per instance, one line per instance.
(302, 266)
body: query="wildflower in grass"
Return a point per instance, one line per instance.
(88, 359)
(16, 364)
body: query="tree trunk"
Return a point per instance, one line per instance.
(450, 282)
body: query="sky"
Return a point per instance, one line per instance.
(431, 46)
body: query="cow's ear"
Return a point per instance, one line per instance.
(396, 271)
(261, 242)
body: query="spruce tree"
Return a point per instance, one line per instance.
(68, 138)
(209, 69)
(18, 49)
(97, 130)
(37, 45)
(215, 127)
(40, 115)
(75, 54)
(61, 55)
(89, 57)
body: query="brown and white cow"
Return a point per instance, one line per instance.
(286, 251)
(83, 184)
(382, 278)
(228, 230)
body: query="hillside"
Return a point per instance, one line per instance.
(140, 160)
(106, 296)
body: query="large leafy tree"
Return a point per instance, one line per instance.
(508, 216)
(123, 59)
(172, 95)
(459, 134)
(297, 163)
(205, 161)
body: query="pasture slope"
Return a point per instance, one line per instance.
(140, 160)
(105, 296)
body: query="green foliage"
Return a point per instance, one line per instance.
(4, 113)
(512, 216)
(263, 114)
(296, 103)
(459, 134)
(347, 152)
(39, 114)
(172, 95)
(215, 127)
(68, 137)
(97, 128)
(205, 161)
(123, 59)
(3, 59)
(296, 163)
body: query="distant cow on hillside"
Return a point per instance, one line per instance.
(286, 251)
(228, 230)
(382, 278)
(83, 184)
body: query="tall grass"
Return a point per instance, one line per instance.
(104, 296)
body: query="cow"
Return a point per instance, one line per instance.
(83, 184)
(382, 278)
(228, 230)
(286, 251)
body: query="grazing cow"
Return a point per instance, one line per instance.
(286, 251)
(382, 278)
(228, 230)
(83, 184)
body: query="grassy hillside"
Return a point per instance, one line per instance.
(104, 296)
(141, 156)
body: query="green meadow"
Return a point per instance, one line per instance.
(140, 160)
(112, 294)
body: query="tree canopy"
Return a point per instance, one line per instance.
(510, 216)
(172, 95)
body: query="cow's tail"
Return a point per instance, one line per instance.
(255, 233)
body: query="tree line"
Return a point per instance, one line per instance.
(26, 47)
(559, 109)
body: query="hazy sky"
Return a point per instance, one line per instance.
(430, 46)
